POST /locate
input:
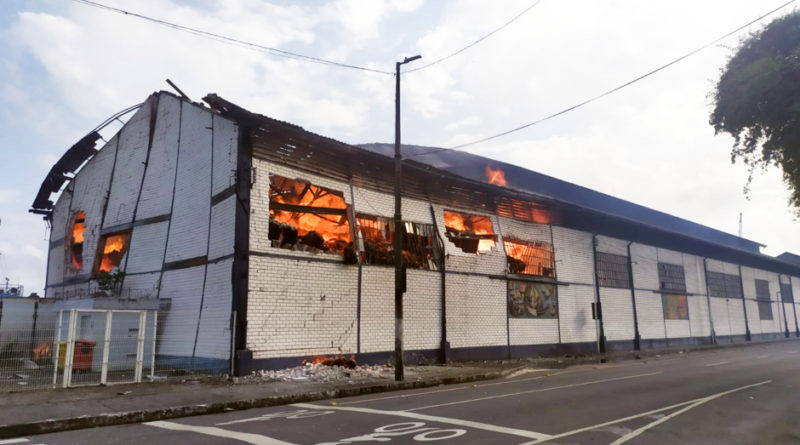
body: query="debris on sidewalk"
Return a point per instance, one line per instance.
(323, 369)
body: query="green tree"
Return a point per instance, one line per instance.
(757, 101)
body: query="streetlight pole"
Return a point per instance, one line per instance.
(399, 231)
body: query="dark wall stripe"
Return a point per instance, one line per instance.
(223, 195)
(172, 203)
(208, 238)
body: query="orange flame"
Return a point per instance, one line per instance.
(112, 250)
(464, 222)
(537, 257)
(333, 228)
(496, 176)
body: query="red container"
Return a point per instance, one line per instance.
(82, 358)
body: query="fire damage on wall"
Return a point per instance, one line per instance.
(111, 250)
(422, 249)
(469, 232)
(75, 244)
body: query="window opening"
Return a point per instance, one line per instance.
(671, 277)
(786, 293)
(530, 257)
(676, 307)
(613, 271)
(470, 233)
(532, 300)
(306, 216)
(764, 302)
(421, 247)
(76, 239)
(111, 250)
(724, 285)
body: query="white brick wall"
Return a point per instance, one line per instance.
(695, 275)
(575, 312)
(188, 233)
(677, 328)
(476, 311)
(749, 283)
(574, 257)
(214, 338)
(533, 331)
(698, 316)
(644, 260)
(669, 256)
(736, 314)
(650, 314)
(752, 316)
(297, 308)
(226, 140)
(146, 252)
(223, 230)
(131, 155)
(377, 309)
(422, 310)
(141, 285)
(159, 178)
(184, 287)
(617, 313)
(719, 310)
(612, 245)
(61, 214)
(493, 262)
(524, 231)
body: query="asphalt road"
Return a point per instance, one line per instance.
(736, 395)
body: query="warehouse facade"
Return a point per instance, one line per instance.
(278, 241)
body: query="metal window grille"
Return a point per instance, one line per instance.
(532, 300)
(613, 271)
(762, 289)
(733, 286)
(786, 293)
(671, 277)
(422, 248)
(764, 303)
(530, 258)
(764, 310)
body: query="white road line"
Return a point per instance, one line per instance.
(762, 356)
(717, 364)
(436, 391)
(447, 420)
(791, 352)
(639, 431)
(255, 439)
(9, 441)
(536, 390)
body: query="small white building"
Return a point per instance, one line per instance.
(236, 224)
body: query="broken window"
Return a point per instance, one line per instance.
(75, 244)
(671, 277)
(470, 233)
(613, 271)
(676, 307)
(308, 217)
(532, 300)
(111, 250)
(421, 247)
(530, 258)
(764, 303)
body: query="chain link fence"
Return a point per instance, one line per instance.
(42, 347)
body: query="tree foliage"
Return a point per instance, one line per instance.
(757, 101)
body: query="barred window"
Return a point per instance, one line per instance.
(762, 290)
(612, 270)
(786, 293)
(764, 310)
(532, 300)
(671, 277)
(530, 257)
(764, 303)
(724, 285)
(421, 247)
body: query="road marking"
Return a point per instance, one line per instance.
(9, 441)
(639, 431)
(693, 403)
(436, 391)
(762, 356)
(255, 439)
(447, 420)
(717, 364)
(574, 385)
(791, 352)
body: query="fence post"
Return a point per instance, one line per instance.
(233, 340)
(73, 315)
(33, 329)
(153, 357)
(56, 348)
(140, 347)
(106, 348)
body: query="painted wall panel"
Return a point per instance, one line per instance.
(617, 313)
(146, 252)
(223, 230)
(645, 266)
(575, 312)
(574, 255)
(177, 332)
(476, 311)
(214, 332)
(159, 178)
(226, 142)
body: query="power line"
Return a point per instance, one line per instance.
(613, 90)
(479, 40)
(231, 40)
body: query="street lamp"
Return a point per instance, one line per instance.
(399, 231)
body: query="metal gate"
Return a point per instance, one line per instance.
(103, 347)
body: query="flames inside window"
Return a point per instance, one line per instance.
(76, 239)
(530, 258)
(306, 216)
(111, 249)
(470, 233)
(421, 248)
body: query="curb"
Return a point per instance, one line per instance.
(139, 416)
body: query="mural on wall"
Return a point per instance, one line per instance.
(532, 300)
(676, 307)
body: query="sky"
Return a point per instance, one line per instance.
(68, 66)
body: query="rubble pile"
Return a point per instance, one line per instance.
(320, 372)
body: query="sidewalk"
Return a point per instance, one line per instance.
(36, 412)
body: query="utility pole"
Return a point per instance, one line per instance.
(399, 230)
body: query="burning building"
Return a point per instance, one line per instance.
(280, 243)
